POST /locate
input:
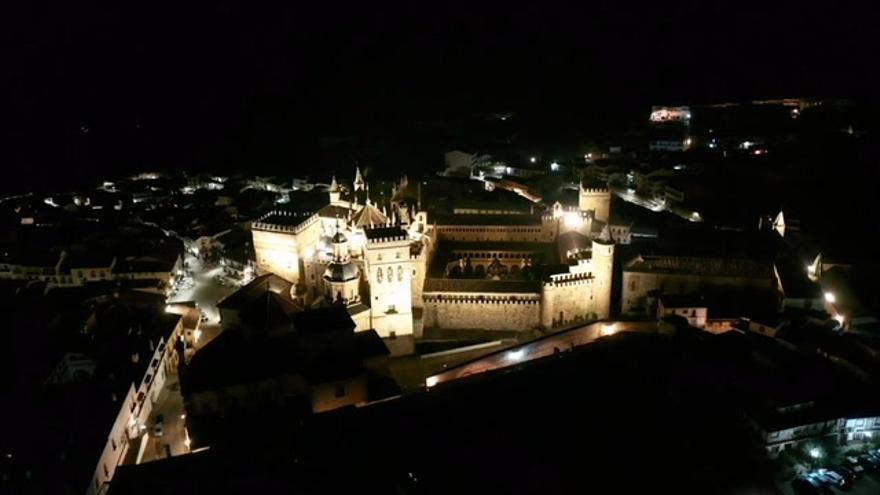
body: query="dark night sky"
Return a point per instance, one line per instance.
(228, 85)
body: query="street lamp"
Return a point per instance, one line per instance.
(829, 298)
(516, 355)
(533, 159)
(609, 329)
(815, 453)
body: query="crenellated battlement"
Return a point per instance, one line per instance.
(272, 222)
(382, 240)
(594, 190)
(481, 299)
(567, 279)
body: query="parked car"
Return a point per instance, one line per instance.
(159, 426)
(830, 477)
(847, 473)
(854, 464)
(809, 486)
(869, 462)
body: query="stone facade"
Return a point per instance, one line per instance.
(393, 263)
(645, 277)
(483, 311)
(390, 274)
(596, 199)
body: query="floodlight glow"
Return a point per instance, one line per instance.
(516, 355)
(829, 298)
(572, 219)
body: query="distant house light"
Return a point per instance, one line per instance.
(554, 166)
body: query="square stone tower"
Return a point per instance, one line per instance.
(389, 268)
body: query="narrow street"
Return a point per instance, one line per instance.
(172, 440)
(206, 287)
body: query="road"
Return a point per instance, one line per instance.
(631, 196)
(204, 290)
(170, 406)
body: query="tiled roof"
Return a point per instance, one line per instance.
(369, 215)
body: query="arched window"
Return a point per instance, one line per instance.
(379, 275)
(399, 273)
(390, 274)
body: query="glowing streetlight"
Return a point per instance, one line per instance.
(815, 453)
(554, 166)
(431, 381)
(533, 159)
(839, 319)
(829, 298)
(609, 329)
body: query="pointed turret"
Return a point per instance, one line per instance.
(358, 179)
(334, 191)
(779, 224)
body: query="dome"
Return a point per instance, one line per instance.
(341, 272)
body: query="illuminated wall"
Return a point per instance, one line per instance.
(483, 311)
(276, 253)
(546, 231)
(390, 273)
(596, 200)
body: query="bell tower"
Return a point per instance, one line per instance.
(603, 272)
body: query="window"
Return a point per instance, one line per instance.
(390, 274)
(113, 444)
(106, 471)
(379, 275)
(340, 390)
(399, 273)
